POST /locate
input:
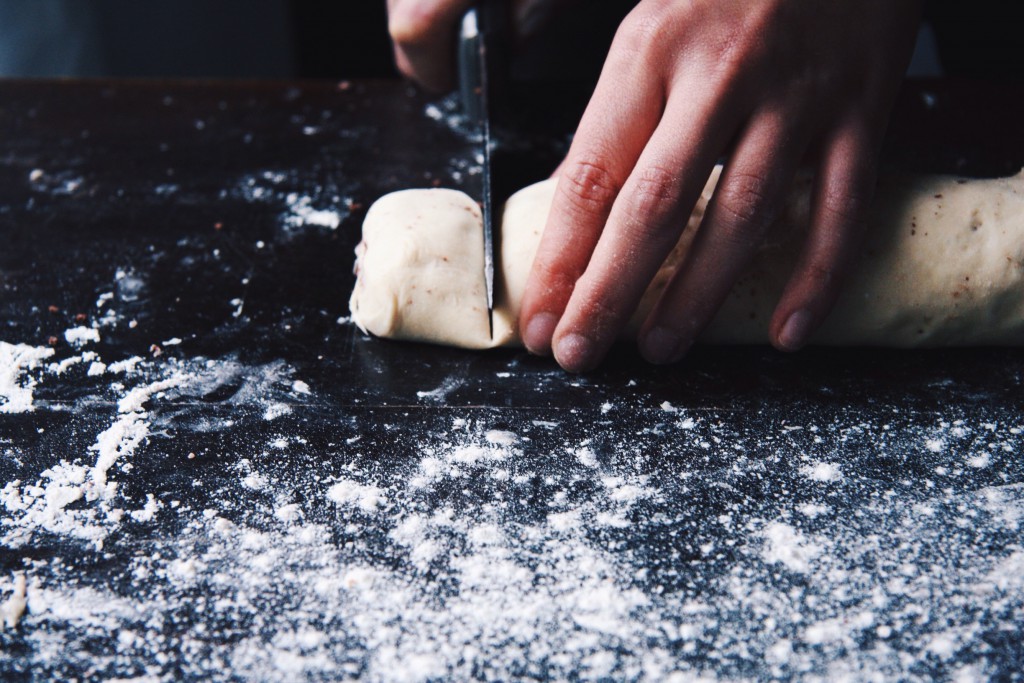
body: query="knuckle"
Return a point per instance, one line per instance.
(558, 277)
(743, 205)
(740, 50)
(641, 26)
(655, 193)
(653, 199)
(728, 54)
(643, 29)
(589, 186)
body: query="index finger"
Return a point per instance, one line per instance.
(623, 112)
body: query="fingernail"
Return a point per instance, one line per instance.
(662, 345)
(575, 353)
(796, 330)
(538, 333)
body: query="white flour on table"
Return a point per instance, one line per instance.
(546, 570)
(319, 208)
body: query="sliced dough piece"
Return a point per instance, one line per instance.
(419, 271)
(942, 265)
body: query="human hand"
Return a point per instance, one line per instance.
(774, 83)
(423, 34)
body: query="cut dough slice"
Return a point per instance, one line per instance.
(942, 265)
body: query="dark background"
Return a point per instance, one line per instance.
(308, 39)
(977, 40)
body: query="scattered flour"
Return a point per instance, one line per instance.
(979, 461)
(75, 497)
(148, 511)
(288, 513)
(441, 392)
(501, 437)
(316, 207)
(13, 607)
(365, 497)
(301, 213)
(478, 550)
(16, 389)
(789, 546)
(586, 456)
(276, 410)
(80, 336)
(61, 367)
(822, 471)
(124, 366)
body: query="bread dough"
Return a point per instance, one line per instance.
(942, 265)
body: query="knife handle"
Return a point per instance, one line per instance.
(472, 60)
(483, 58)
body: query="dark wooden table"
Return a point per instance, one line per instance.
(268, 494)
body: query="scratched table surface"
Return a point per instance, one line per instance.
(207, 472)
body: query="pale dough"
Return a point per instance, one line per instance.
(942, 265)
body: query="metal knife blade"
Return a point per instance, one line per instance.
(474, 90)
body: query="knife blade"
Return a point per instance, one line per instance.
(474, 87)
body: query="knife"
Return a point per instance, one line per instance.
(475, 93)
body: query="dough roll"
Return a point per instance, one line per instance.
(942, 265)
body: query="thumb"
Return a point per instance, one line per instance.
(423, 33)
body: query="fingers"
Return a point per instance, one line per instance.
(623, 112)
(644, 224)
(423, 33)
(638, 163)
(744, 204)
(843, 190)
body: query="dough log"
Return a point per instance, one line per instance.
(942, 265)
